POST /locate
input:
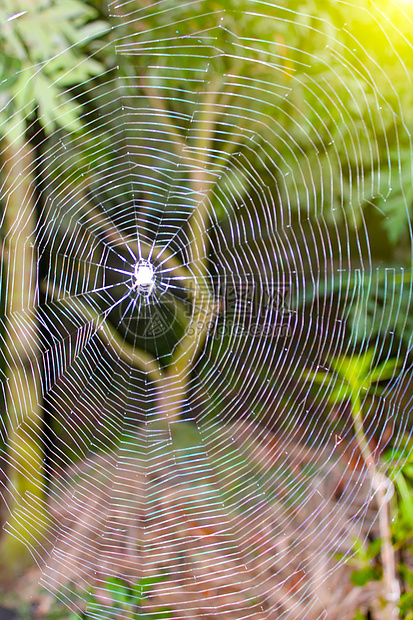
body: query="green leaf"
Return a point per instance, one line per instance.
(9, 69)
(96, 611)
(93, 30)
(353, 369)
(322, 378)
(144, 586)
(341, 393)
(359, 549)
(406, 496)
(46, 95)
(373, 549)
(73, 11)
(14, 128)
(315, 376)
(408, 471)
(406, 574)
(118, 590)
(163, 613)
(68, 114)
(386, 370)
(363, 576)
(68, 69)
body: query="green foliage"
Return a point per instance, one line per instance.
(292, 92)
(364, 575)
(398, 205)
(352, 377)
(376, 304)
(348, 379)
(399, 463)
(406, 599)
(406, 606)
(399, 466)
(365, 561)
(42, 54)
(124, 601)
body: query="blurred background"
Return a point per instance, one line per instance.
(233, 436)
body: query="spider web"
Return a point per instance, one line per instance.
(186, 450)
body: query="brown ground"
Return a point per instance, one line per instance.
(248, 526)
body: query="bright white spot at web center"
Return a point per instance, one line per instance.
(144, 277)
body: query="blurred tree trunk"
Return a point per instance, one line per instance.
(23, 394)
(175, 382)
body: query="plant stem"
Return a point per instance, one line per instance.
(382, 486)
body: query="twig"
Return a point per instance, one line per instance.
(383, 492)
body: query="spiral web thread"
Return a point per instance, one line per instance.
(184, 443)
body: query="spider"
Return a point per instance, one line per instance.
(144, 278)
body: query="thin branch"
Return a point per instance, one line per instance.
(204, 304)
(109, 336)
(158, 104)
(382, 486)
